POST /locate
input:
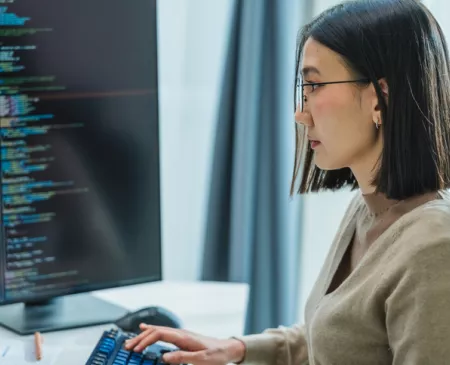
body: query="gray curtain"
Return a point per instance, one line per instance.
(253, 226)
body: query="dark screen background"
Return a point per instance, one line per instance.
(102, 57)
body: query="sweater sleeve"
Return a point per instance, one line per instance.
(417, 310)
(276, 346)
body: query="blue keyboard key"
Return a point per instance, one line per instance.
(109, 350)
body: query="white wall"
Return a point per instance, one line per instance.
(192, 37)
(440, 9)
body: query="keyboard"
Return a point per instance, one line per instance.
(110, 351)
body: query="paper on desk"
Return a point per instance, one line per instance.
(14, 352)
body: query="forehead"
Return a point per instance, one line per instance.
(320, 61)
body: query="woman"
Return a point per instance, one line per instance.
(374, 102)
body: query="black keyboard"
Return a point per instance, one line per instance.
(110, 351)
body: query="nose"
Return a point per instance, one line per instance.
(303, 117)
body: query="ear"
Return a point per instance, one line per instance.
(376, 105)
(384, 87)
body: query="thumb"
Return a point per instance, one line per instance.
(185, 357)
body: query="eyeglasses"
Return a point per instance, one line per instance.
(308, 88)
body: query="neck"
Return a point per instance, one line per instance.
(365, 169)
(364, 176)
(378, 203)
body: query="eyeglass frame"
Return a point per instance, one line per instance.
(302, 85)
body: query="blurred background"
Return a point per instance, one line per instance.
(226, 77)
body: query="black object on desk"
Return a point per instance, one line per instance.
(110, 350)
(156, 316)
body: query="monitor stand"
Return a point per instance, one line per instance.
(72, 311)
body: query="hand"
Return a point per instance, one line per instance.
(194, 348)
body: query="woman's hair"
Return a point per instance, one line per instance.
(401, 41)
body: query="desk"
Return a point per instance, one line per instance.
(210, 308)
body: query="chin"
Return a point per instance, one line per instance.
(327, 164)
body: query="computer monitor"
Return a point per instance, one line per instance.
(79, 158)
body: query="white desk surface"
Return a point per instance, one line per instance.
(210, 308)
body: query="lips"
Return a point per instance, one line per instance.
(313, 142)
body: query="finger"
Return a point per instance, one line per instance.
(185, 357)
(147, 329)
(133, 341)
(144, 326)
(160, 335)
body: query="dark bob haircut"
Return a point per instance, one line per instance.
(401, 41)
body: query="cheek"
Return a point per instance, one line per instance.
(328, 113)
(329, 101)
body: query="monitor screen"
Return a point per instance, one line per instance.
(79, 147)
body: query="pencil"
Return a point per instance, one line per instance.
(37, 345)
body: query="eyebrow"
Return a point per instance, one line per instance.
(308, 70)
